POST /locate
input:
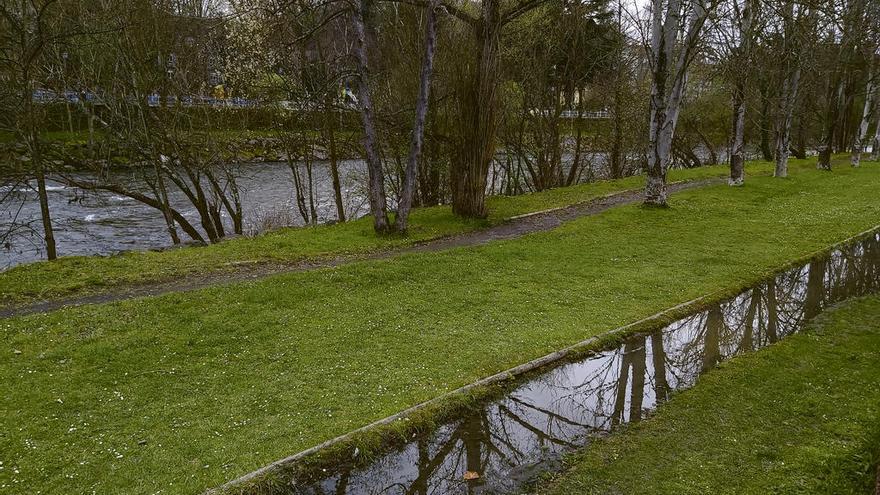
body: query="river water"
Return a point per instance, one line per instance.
(505, 443)
(102, 223)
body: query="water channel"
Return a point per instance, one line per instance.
(507, 442)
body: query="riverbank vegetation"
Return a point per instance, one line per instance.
(455, 110)
(81, 275)
(185, 391)
(445, 103)
(798, 417)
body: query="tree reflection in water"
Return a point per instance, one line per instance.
(509, 440)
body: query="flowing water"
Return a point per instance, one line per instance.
(506, 442)
(103, 223)
(99, 222)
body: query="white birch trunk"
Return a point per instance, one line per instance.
(737, 151)
(415, 151)
(374, 163)
(783, 123)
(788, 95)
(666, 101)
(862, 131)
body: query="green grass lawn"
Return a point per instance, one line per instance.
(802, 416)
(185, 391)
(80, 274)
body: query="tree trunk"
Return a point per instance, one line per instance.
(862, 131)
(790, 83)
(576, 160)
(32, 138)
(409, 177)
(48, 232)
(835, 88)
(429, 174)
(875, 146)
(330, 126)
(743, 55)
(162, 196)
(737, 159)
(374, 164)
(662, 41)
(665, 97)
(783, 124)
(617, 156)
(479, 105)
(766, 150)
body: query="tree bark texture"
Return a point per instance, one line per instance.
(409, 177)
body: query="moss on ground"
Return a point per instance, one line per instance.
(81, 275)
(802, 416)
(182, 392)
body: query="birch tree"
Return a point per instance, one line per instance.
(862, 131)
(872, 96)
(376, 175)
(675, 31)
(743, 19)
(790, 52)
(411, 172)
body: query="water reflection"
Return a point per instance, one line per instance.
(508, 441)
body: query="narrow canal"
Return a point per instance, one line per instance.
(504, 444)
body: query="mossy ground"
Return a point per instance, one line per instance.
(802, 416)
(178, 393)
(88, 274)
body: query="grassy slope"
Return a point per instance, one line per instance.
(44, 280)
(800, 417)
(221, 381)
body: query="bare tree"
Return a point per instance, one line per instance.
(847, 25)
(862, 131)
(31, 30)
(792, 34)
(744, 20)
(668, 79)
(378, 203)
(409, 179)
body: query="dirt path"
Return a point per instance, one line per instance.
(512, 228)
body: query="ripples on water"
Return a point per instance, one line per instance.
(99, 222)
(102, 223)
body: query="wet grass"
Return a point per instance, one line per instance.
(87, 274)
(185, 391)
(802, 416)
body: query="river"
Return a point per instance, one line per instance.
(103, 223)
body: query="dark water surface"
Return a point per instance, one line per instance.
(508, 441)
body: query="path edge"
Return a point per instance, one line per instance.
(584, 346)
